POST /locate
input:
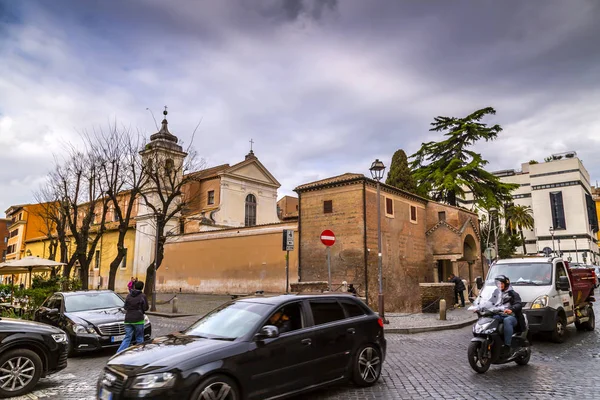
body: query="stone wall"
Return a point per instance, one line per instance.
(431, 293)
(309, 287)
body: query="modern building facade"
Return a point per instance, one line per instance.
(564, 211)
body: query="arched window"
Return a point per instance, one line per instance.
(169, 165)
(250, 210)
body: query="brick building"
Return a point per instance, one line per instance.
(422, 241)
(4, 233)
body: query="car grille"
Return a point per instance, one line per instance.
(112, 381)
(112, 329)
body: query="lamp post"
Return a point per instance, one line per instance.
(493, 212)
(576, 253)
(551, 229)
(377, 169)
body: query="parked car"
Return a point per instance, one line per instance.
(255, 348)
(28, 351)
(92, 319)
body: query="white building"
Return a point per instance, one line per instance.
(560, 196)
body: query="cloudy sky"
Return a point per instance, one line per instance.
(323, 87)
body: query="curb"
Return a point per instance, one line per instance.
(431, 328)
(169, 315)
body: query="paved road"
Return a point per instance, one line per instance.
(420, 366)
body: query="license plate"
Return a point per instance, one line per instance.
(117, 338)
(105, 394)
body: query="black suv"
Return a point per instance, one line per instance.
(255, 348)
(29, 351)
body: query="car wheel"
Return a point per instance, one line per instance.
(558, 334)
(217, 387)
(20, 370)
(366, 366)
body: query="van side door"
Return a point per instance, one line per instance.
(564, 296)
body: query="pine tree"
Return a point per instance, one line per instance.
(400, 175)
(445, 169)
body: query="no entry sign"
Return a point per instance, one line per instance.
(327, 238)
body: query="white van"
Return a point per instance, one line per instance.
(553, 295)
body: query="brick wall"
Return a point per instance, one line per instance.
(346, 221)
(431, 293)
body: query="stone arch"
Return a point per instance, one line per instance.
(469, 248)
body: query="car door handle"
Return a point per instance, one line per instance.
(351, 331)
(306, 342)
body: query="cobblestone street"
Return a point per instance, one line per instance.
(420, 366)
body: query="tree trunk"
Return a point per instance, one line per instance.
(114, 267)
(523, 240)
(149, 284)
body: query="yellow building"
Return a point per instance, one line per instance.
(596, 196)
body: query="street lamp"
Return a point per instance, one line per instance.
(377, 169)
(576, 253)
(551, 229)
(493, 212)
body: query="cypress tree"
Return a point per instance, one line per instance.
(400, 175)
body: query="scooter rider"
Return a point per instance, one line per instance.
(510, 302)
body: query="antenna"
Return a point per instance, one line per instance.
(151, 113)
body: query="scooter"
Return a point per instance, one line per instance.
(486, 346)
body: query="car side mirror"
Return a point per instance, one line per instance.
(563, 283)
(267, 332)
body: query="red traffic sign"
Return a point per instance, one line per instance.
(327, 238)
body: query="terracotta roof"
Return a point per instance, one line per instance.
(209, 172)
(348, 176)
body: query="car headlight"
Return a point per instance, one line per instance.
(83, 329)
(154, 381)
(540, 302)
(146, 320)
(59, 337)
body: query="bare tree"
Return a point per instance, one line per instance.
(84, 205)
(168, 171)
(123, 178)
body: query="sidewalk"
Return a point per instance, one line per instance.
(200, 304)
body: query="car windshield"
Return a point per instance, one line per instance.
(92, 301)
(523, 274)
(230, 321)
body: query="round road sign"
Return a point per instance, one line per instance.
(327, 237)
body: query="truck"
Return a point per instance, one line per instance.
(553, 294)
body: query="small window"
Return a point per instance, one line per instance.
(413, 214)
(287, 319)
(211, 197)
(441, 215)
(296, 207)
(328, 206)
(353, 310)
(389, 206)
(325, 312)
(97, 263)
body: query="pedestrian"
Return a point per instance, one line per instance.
(351, 289)
(130, 284)
(459, 288)
(136, 305)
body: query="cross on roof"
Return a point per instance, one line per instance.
(251, 143)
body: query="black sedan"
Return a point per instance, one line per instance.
(92, 319)
(255, 348)
(28, 351)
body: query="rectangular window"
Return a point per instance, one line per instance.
(413, 214)
(326, 311)
(328, 206)
(389, 206)
(123, 264)
(442, 215)
(353, 310)
(211, 197)
(592, 213)
(558, 211)
(97, 257)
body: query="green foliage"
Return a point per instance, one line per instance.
(531, 162)
(446, 168)
(507, 244)
(56, 283)
(519, 217)
(400, 175)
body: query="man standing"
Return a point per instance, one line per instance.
(459, 288)
(136, 305)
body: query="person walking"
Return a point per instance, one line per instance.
(459, 288)
(136, 305)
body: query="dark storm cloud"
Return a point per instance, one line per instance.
(323, 87)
